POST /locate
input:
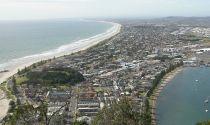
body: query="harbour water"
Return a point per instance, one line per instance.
(20, 39)
(184, 101)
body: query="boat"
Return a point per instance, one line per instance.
(207, 110)
(196, 80)
(206, 101)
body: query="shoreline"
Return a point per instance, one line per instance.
(154, 97)
(70, 48)
(74, 47)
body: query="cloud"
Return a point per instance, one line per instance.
(44, 1)
(37, 9)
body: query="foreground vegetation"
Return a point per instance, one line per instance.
(204, 123)
(124, 112)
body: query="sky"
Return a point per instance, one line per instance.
(49, 9)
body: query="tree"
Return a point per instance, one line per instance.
(28, 114)
(12, 106)
(18, 72)
(14, 87)
(204, 123)
(124, 112)
(80, 123)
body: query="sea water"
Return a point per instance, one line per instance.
(19, 39)
(182, 102)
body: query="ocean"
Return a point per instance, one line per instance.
(21, 39)
(182, 102)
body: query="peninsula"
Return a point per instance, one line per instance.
(117, 75)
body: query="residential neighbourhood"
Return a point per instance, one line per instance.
(123, 66)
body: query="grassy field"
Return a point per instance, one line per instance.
(20, 80)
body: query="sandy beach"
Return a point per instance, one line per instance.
(153, 99)
(63, 50)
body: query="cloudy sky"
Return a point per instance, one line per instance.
(45, 9)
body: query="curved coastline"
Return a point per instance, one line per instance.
(154, 97)
(183, 101)
(76, 46)
(26, 61)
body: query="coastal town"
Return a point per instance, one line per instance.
(127, 65)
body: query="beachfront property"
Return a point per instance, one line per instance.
(125, 65)
(121, 67)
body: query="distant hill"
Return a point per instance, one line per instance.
(172, 20)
